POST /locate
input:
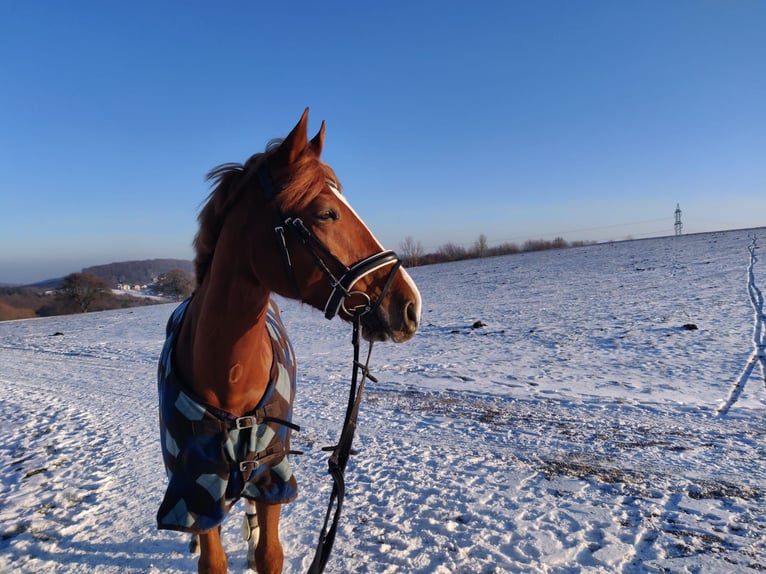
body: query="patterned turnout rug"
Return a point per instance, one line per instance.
(213, 458)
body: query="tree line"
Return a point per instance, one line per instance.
(413, 254)
(142, 272)
(85, 292)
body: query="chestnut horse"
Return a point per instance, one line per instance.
(277, 224)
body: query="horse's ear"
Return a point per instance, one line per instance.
(295, 142)
(317, 142)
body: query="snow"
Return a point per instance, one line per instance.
(577, 431)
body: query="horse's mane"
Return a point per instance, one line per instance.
(303, 184)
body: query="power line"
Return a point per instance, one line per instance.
(599, 228)
(571, 231)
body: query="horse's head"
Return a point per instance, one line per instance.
(302, 239)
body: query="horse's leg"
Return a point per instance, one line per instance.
(212, 558)
(268, 552)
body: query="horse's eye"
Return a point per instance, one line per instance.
(328, 215)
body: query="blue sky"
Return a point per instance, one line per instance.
(445, 120)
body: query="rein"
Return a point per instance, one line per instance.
(359, 306)
(340, 455)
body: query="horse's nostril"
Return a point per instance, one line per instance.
(411, 315)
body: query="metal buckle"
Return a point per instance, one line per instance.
(356, 272)
(356, 303)
(245, 422)
(246, 465)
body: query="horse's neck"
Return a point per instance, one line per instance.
(224, 351)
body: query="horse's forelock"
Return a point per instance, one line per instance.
(307, 179)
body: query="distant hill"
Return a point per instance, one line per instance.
(138, 272)
(48, 283)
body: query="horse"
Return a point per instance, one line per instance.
(277, 224)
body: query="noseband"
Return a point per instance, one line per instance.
(354, 303)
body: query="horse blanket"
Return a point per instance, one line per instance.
(213, 458)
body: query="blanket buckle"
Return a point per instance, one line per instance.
(248, 465)
(246, 422)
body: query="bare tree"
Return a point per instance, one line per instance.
(82, 289)
(411, 251)
(480, 247)
(452, 252)
(175, 283)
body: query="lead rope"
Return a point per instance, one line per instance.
(341, 453)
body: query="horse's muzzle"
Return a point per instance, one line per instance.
(398, 316)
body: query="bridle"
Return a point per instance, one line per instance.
(355, 304)
(324, 259)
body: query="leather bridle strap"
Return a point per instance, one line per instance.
(288, 264)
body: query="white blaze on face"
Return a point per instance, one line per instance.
(405, 275)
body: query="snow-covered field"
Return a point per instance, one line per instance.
(577, 431)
